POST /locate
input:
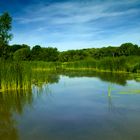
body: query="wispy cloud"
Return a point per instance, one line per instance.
(78, 24)
(72, 12)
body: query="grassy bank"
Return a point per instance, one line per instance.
(22, 75)
(108, 64)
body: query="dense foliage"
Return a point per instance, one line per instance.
(113, 58)
(50, 54)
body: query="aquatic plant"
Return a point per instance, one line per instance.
(14, 75)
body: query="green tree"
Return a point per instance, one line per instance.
(5, 35)
(49, 54)
(22, 54)
(36, 53)
(127, 49)
(16, 47)
(44, 54)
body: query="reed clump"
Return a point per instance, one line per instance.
(130, 64)
(14, 76)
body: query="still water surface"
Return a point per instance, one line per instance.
(73, 108)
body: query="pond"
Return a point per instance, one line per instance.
(73, 106)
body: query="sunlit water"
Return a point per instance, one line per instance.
(76, 108)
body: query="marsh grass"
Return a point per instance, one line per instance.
(121, 64)
(14, 76)
(44, 66)
(21, 75)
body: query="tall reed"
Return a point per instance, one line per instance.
(14, 75)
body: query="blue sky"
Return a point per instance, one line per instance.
(74, 24)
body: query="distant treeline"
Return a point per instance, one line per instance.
(50, 54)
(37, 53)
(125, 57)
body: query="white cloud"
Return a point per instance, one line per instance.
(70, 25)
(70, 12)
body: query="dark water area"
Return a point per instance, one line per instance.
(73, 106)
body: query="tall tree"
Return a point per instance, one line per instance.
(5, 35)
(5, 27)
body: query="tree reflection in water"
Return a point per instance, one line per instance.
(12, 102)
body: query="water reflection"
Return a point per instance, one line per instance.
(118, 78)
(12, 102)
(73, 106)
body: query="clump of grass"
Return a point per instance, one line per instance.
(45, 66)
(121, 64)
(21, 75)
(14, 75)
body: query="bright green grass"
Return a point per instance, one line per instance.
(21, 75)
